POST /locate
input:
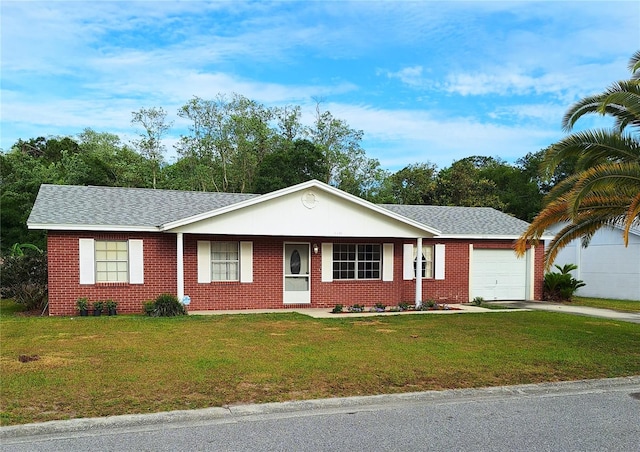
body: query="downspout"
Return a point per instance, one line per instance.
(180, 266)
(419, 273)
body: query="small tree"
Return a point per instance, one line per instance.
(24, 277)
(155, 125)
(561, 286)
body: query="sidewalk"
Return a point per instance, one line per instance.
(325, 313)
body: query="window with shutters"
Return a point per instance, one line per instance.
(225, 261)
(112, 261)
(356, 261)
(427, 261)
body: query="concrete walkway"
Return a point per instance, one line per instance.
(633, 317)
(325, 313)
(509, 306)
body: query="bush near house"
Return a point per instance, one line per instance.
(561, 286)
(24, 278)
(165, 305)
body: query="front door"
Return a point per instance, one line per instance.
(297, 278)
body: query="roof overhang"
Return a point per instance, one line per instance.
(91, 227)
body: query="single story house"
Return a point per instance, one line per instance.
(608, 267)
(309, 245)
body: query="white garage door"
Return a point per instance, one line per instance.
(498, 275)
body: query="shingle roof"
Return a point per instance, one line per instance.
(463, 221)
(139, 208)
(115, 206)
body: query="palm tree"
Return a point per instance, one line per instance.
(605, 189)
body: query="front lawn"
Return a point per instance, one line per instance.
(99, 366)
(616, 305)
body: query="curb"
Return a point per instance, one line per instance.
(318, 405)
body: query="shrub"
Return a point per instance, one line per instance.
(560, 286)
(149, 307)
(165, 305)
(477, 301)
(337, 309)
(403, 306)
(24, 278)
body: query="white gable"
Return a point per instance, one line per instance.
(308, 210)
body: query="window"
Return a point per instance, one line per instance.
(112, 261)
(225, 261)
(427, 262)
(356, 261)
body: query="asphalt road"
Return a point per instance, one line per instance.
(596, 415)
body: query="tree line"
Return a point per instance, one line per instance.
(235, 144)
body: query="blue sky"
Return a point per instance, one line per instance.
(425, 81)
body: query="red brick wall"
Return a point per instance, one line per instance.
(266, 291)
(64, 272)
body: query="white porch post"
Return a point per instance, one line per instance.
(180, 266)
(419, 272)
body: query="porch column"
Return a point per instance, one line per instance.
(180, 266)
(419, 272)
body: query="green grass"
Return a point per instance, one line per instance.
(99, 366)
(616, 305)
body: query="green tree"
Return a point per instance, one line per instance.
(230, 137)
(413, 184)
(348, 166)
(605, 189)
(21, 176)
(154, 126)
(462, 185)
(290, 166)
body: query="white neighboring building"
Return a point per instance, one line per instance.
(609, 269)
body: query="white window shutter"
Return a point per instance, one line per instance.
(439, 258)
(136, 262)
(246, 262)
(408, 272)
(327, 262)
(387, 261)
(87, 261)
(204, 262)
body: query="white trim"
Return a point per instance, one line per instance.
(327, 262)
(439, 261)
(418, 272)
(92, 227)
(180, 266)
(486, 236)
(387, 261)
(87, 261)
(531, 274)
(470, 274)
(246, 262)
(408, 273)
(136, 261)
(204, 261)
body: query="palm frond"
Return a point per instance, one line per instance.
(593, 147)
(634, 65)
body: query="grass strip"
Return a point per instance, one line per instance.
(616, 305)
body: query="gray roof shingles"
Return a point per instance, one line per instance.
(147, 208)
(464, 221)
(136, 207)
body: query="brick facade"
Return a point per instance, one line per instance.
(266, 290)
